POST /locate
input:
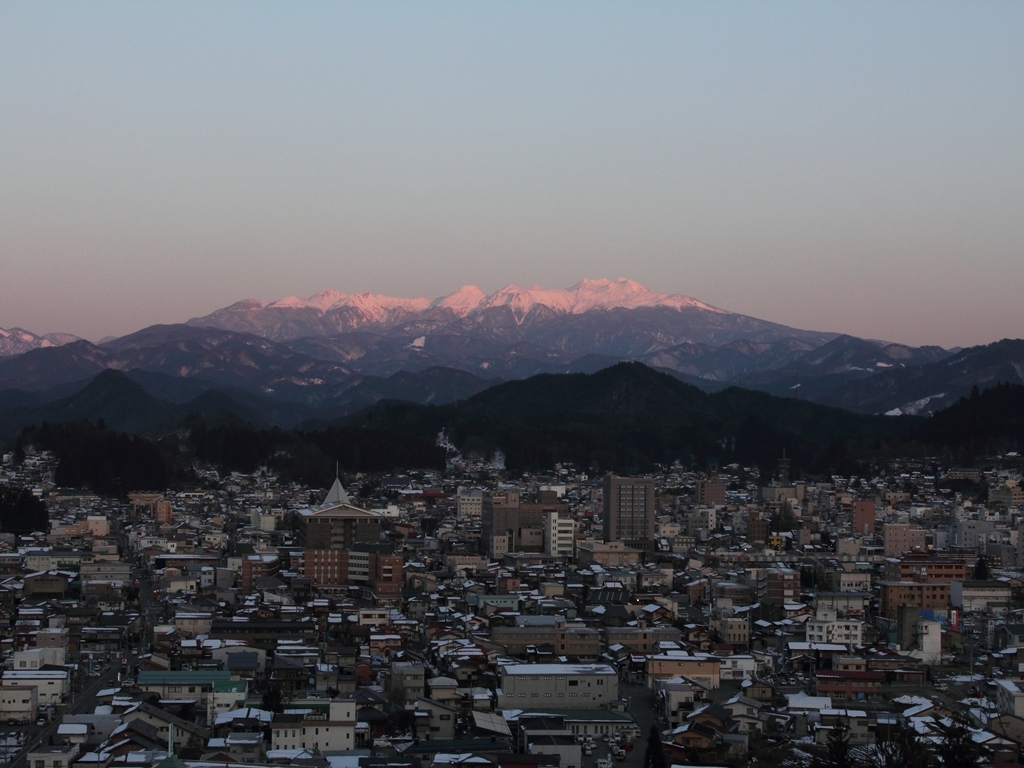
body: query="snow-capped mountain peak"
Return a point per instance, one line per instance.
(522, 300)
(461, 302)
(321, 301)
(380, 308)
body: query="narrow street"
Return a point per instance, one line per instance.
(83, 702)
(640, 708)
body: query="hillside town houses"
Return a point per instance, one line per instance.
(429, 618)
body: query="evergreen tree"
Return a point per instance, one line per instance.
(981, 569)
(272, 700)
(21, 512)
(836, 753)
(654, 755)
(901, 748)
(958, 749)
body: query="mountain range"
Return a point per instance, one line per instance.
(627, 417)
(15, 341)
(333, 353)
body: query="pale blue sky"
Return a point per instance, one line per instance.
(854, 167)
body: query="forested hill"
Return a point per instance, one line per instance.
(626, 418)
(629, 417)
(984, 423)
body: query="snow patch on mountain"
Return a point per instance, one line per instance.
(916, 407)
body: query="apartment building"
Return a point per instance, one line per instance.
(825, 627)
(333, 730)
(863, 518)
(778, 585)
(470, 504)
(258, 567)
(559, 533)
(735, 631)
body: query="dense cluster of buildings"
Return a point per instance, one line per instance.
(528, 622)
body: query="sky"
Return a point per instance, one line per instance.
(849, 167)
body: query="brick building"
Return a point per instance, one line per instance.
(849, 684)
(863, 518)
(338, 569)
(931, 596)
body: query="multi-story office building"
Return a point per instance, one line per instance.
(342, 548)
(629, 508)
(338, 569)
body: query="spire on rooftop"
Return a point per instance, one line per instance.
(336, 495)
